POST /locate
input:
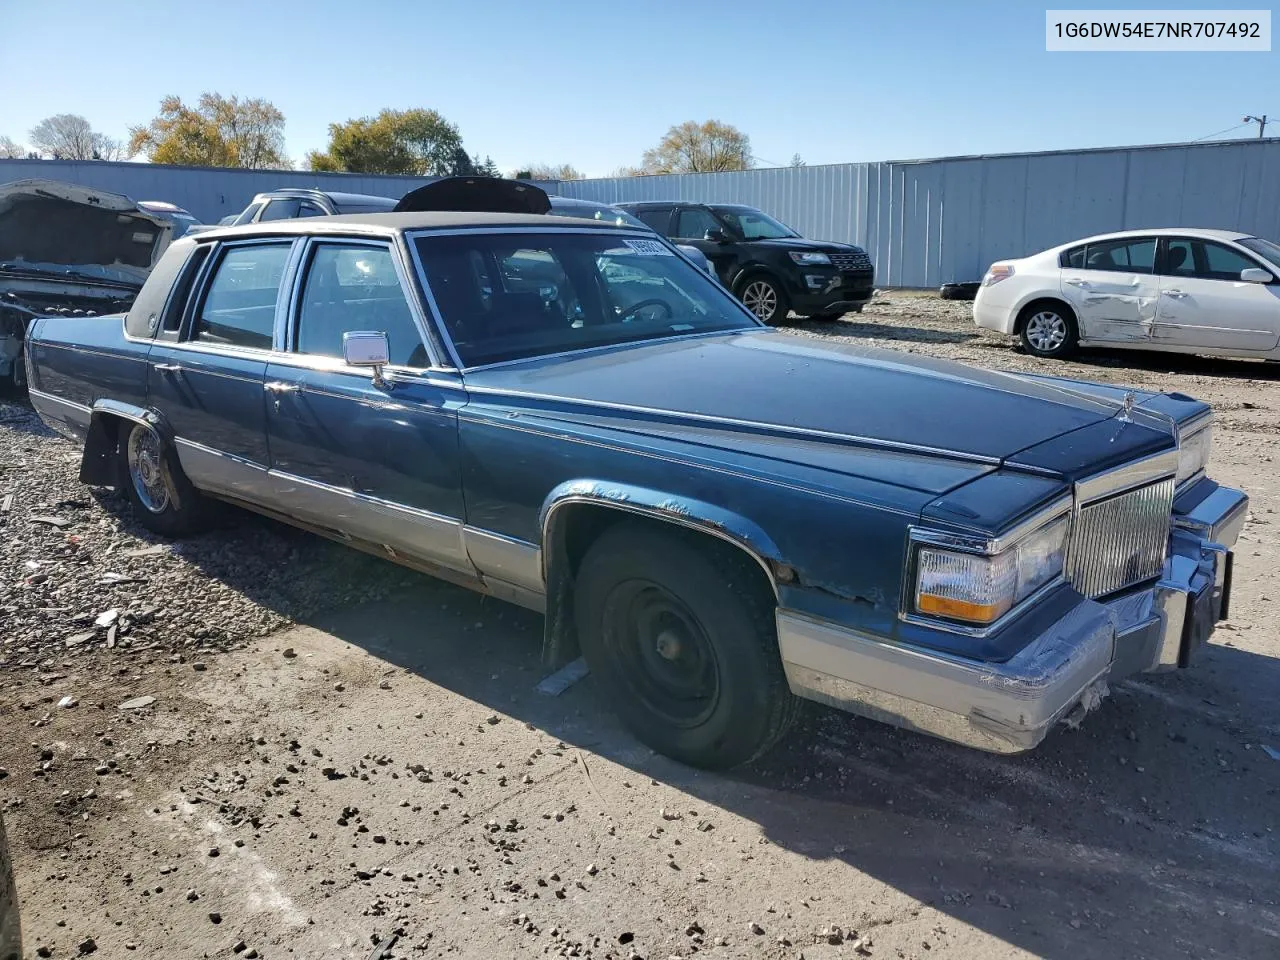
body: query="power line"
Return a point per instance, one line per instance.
(1210, 136)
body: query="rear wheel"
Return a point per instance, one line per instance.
(681, 636)
(764, 297)
(1048, 329)
(152, 480)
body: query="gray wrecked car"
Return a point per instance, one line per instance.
(70, 250)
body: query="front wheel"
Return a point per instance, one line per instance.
(765, 298)
(1049, 330)
(152, 480)
(680, 634)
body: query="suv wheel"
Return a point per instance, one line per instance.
(763, 297)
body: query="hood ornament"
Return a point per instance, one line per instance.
(1126, 407)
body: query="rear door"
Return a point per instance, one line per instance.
(1204, 303)
(1112, 287)
(206, 378)
(377, 463)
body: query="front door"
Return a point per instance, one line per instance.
(691, 226)
(207, 380)
(376, 463)
(1204, 303)
(1112, 287)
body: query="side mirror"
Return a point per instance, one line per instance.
(715, 235)
(1256, 275)
(367, 348)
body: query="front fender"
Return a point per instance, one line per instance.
(686, 511)
(98, 465)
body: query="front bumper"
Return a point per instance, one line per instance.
(817, 290)
(1060, 674)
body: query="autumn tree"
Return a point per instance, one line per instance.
(549, 171)
(693, 147)
(217, 132)
(417, 142)
(69, 136)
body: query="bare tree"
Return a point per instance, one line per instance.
(549, 171)
(69, 136)
(797, 160)
(9, 150)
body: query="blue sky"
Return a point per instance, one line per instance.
(595, 83)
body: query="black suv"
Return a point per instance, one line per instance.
(770, 267)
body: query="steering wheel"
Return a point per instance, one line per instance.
(651, 302)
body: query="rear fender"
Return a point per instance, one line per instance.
(98, 464)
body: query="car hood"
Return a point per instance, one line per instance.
(803, 243)
(765, 386)
(63, 231)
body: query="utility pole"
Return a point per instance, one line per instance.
(1260, 121)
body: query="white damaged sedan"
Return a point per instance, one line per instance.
(1213, 292)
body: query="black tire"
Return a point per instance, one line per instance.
(175, 508)
(13, 383)
(1048, 329)
(764, 290)
(679, 632)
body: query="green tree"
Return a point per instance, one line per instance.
(797, 160)
(218, 132)
(419, 142)
(693, 147)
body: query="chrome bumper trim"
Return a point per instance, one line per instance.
(1218, 518)
(1063, 673)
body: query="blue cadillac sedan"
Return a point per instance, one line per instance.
(720, 517)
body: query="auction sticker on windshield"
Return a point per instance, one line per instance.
(648, 248)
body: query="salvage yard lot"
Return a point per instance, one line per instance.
(340, 752)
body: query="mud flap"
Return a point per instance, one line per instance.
(98, 465)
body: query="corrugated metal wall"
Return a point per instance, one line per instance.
(209, 193)
(928, 222)
(925, 222)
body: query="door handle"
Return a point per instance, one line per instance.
(168, 367)
(277, 386)
(1175, 294)
(1077, 282)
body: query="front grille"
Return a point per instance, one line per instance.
(850, 261)
(1121, 540)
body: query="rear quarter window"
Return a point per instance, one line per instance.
(143, 319)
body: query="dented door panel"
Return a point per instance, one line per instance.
(1112, 306)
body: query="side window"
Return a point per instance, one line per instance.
(657, 219)
(1074, 258)
(694, 222)
(239, 306)
(308, 209)
(1179, 258)
(280, 210)
(1222, 263)
(355, 287)
(247, 214)
(177, 305)
(1125, 256)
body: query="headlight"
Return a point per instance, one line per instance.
(1193, 452)
(809, 258)
(977, 588)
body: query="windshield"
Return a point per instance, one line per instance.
(594, 211)
(1264, 248)
(509, 297)
(752, 224)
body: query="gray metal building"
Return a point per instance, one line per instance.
(925, 222)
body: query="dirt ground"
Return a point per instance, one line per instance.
(332, 756)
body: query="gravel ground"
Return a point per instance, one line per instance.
(255, 743)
